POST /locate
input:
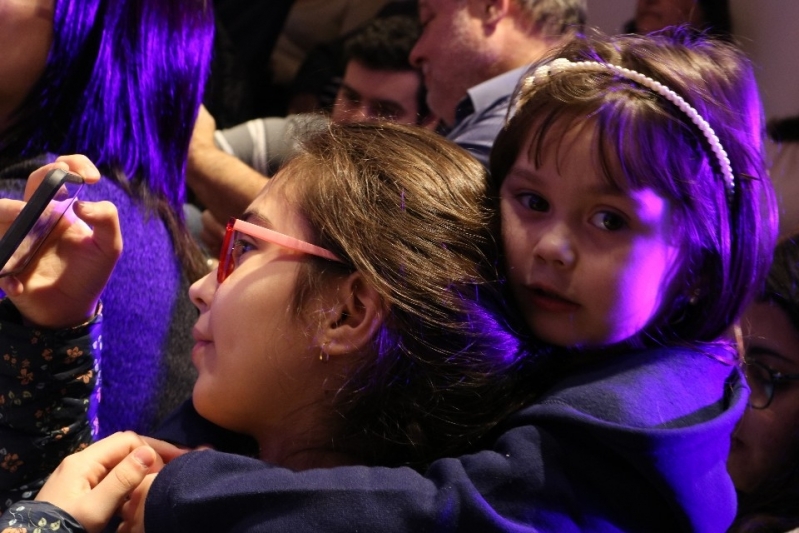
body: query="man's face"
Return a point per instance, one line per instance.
(366, 94)
(451, 52)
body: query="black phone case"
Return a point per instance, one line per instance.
(29, 215)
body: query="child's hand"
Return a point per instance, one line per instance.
(92, 485)
(62, 284)
(133, 510)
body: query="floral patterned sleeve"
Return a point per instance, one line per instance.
(49, 387)
(33, 517)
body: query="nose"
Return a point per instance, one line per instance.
(201, 292)
(356, 113)
(555, 247)
(415, 57)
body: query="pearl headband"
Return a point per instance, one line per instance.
(542, 73)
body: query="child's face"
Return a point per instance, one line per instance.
(258, 372)
(588, 264)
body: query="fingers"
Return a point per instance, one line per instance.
(165, 450)
(132, 511)
(11, 286)
(9, 210)
(121, 481)
(103, 217)
(78, 164)
(96, 508)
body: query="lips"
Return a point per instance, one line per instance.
(199, 336)
(546, 299)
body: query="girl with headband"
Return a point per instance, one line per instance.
(636, 217)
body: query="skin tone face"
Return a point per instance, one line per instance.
(451, 52)
(766, 439)
(653, 15)
(258, 363)
(588, 263)
(26, 33)
(367, 94)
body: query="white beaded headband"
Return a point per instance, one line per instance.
(542, 73)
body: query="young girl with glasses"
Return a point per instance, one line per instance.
(352, 318)
(764, 456)
(635, 216)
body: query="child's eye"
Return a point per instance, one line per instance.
(608, 220)
(534, 202)
(240, 247)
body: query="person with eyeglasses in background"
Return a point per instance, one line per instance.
(764, 456)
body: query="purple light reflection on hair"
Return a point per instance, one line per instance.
(122, 84)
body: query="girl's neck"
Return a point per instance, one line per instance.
(303, 455)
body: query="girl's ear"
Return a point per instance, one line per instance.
(353, 321)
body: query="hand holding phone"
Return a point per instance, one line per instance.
(52, 198)
(59, 285)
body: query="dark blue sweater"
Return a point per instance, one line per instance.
(637, 444)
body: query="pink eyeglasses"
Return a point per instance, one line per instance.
(231, 246)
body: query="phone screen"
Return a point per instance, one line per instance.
(38, 218)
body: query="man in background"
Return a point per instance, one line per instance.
(472, 54)
(227, 168)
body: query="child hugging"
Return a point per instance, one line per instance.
(636, 219)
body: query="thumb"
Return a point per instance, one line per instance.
(115, 488)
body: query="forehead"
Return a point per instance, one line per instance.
(573, 139)
(382, 84)
(768, 326)
(278, 188)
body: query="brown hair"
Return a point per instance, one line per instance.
(408, 210)
(643, 140)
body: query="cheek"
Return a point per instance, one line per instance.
(638, 290)
(516, 243)
(763, 446)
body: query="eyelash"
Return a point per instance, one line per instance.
(537, 203)
(241, 247)
(618, 219)
(526, 198)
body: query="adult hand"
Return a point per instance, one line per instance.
(92, 485)
(61, 286)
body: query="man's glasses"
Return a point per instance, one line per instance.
(233, 247)
(762, 381)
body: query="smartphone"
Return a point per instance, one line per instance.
(40, 215)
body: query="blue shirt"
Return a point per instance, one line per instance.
(480, 116)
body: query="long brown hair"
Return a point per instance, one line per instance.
(408, 210)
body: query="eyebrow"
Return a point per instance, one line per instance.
(758, 351)
(392, 105)
(348, 88)
(253, 217)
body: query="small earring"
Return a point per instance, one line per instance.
(323, 355)
(694, 298)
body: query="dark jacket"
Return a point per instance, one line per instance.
(636, 444)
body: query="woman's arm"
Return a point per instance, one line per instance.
(50, 338)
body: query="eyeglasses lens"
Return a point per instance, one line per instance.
(761, 385)
(226, 255)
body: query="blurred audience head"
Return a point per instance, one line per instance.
(466, 42)
(764, 457)
(379, 81)
(710, 16)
